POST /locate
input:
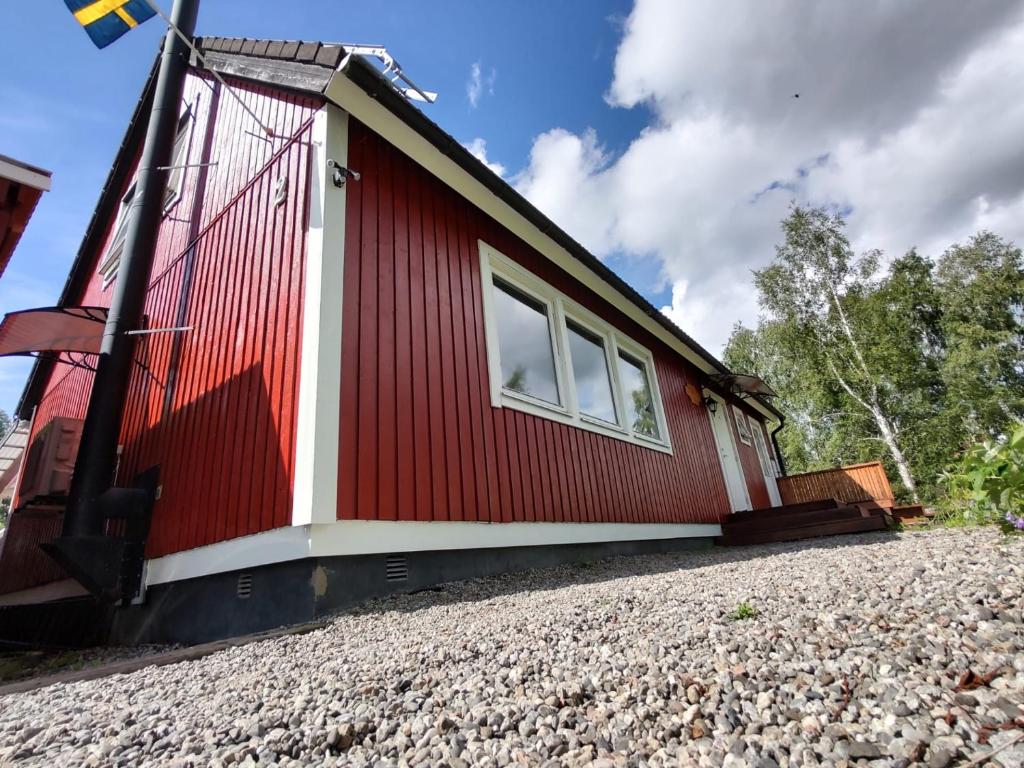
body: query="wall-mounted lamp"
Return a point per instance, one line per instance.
(340, 174)
(711, 404)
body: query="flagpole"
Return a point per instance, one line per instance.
(97, 453)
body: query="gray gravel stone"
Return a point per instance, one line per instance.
(855, 656)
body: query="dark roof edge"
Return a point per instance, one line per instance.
(109, 198)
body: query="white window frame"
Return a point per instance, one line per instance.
(742, 426)
(111, 261)
(561, 308)
(182, 142)
(110, 264)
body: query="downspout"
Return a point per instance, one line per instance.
(83, 549)
(775, 445)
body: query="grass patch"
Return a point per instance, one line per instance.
(743, 611)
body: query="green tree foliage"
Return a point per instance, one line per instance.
(907, 363)
(982, 289)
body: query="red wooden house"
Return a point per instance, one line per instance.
(395, 370)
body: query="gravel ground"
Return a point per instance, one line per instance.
(877, 649)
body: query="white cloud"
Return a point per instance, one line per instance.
(479, 84)
(478, 149)
(908, 116)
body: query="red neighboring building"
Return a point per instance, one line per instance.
(397, 371)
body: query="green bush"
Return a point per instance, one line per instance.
(987, 484)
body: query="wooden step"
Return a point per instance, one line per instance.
(835, 527)
(786, 509)
(795, 519)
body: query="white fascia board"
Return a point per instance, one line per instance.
(315, 498)
(367, 537)
(350, 97)
(20, 174)
(364, 537)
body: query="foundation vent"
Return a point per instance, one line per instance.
(244, 586)
(396, 568)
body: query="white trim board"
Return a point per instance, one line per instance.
(318, 423)
(365, 537)
(350, 97)
(30, 177)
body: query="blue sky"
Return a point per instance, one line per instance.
(66, 104)
(663, 135)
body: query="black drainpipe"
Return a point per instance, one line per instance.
(775, 445)
(83, 549)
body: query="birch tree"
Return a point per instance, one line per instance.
(818, 286)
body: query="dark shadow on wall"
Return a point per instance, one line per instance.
(224, 476)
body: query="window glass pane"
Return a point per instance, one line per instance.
(524, 344)
(590, 369)
(637, 392)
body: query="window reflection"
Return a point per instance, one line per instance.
(637, 393)
(524, 344)
(590, 369)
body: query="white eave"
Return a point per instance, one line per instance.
(22, 173)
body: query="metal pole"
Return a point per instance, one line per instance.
(97, 453)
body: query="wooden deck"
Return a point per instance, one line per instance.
(802, 520)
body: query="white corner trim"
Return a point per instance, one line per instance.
(346, 94)
(366, 537)
(318, 421)
(277, 546)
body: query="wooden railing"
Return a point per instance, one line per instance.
(859, 482)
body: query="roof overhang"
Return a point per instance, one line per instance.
(361, 90)
(21, 186)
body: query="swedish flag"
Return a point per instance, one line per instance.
(107, 20)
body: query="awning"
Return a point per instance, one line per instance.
(53, 329)
(743, 384)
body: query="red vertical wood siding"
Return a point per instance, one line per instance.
(419, 437)
(215, 407)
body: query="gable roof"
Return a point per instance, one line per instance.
(310, 67)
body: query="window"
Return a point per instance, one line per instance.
(179, 157)
(550, 357)
(112, 259)
(594, 394)
(175, 179)
(637, 391)
(524, 341)
(767, 460)
(742, 427)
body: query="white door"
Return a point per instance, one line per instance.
(729, 458)
(765, 460)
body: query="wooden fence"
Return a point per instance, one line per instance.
(859, 482)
